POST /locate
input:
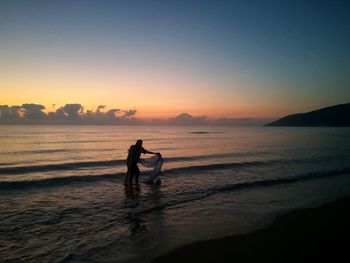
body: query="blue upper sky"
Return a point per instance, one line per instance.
(296, 52)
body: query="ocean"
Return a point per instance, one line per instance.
(63, 198)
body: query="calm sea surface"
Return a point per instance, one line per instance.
(63, 199)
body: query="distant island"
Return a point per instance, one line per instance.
(333, 116)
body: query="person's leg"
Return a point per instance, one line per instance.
(127, 177)
(131, 175)
(137, 173)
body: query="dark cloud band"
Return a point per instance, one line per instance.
(74, 113)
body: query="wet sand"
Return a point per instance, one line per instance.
(318, 234)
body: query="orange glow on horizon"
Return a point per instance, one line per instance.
(153, 96)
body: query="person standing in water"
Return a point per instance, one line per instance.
(133, 157)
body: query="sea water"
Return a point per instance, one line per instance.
(63, 199)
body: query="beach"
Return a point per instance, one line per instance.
(304, 235)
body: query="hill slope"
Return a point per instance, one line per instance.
(338, 116)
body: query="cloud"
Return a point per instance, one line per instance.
(188, 119)
(101, 107)
(74, 114)
(112, 114)
(33, 111)
(69, 113)
(10, 113)
(58, 114)
(101, 117)
(73, 111)
(129, 113)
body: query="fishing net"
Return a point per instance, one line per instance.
(155, 162)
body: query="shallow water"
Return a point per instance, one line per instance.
(62, 198)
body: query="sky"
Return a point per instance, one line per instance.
(230, 59)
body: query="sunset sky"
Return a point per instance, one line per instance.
(215, 58)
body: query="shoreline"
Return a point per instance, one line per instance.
(302, 235)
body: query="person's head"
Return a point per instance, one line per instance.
(139, 143)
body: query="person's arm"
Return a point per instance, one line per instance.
(144, 151)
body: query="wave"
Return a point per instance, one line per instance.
(205, 193)
(57, 181)
(57, 167)
(68, 132)
(37, 151)
(31, 142)
(276, 181)
(75, 142)
(5, 163)
(217, 166)
(215, 155)
(54, 181)
(203, 132)
(54, 151)
(107, 163)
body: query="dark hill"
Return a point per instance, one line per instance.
(337, 116)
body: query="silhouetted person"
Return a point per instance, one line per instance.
(133, 157)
